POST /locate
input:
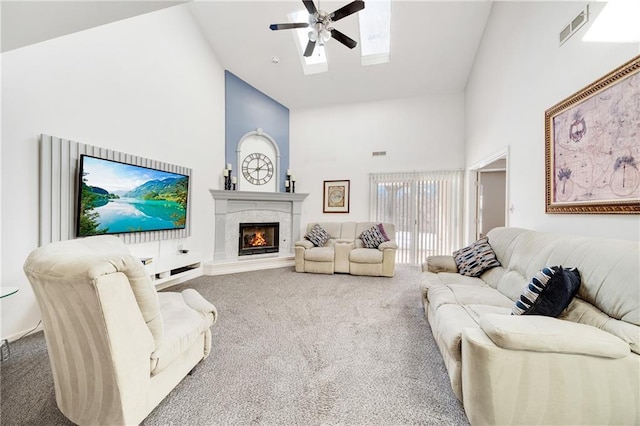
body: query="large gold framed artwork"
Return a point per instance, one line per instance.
(592, 146)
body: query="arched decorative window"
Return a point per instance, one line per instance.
(258, 162)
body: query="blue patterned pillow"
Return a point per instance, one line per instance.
(318, 236)
(374, 236)
(549, 292)
(473, 260)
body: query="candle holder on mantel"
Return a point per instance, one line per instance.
(290, 183)
(228, 178)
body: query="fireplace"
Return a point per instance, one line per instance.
(258, 238)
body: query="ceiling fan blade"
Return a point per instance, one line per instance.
(346, 40)
(347, 10)
(309, 50)
(288, 26)
(311, 8)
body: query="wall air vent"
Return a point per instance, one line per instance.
(379, 153)
(565, 33)
(576, 23)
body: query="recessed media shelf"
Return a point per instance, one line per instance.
(169, 270)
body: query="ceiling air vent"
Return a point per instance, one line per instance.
(576, 23)
(379, 153)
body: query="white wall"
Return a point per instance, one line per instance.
(148, 86)
(492, 201)
(335, 143)
(519, 72)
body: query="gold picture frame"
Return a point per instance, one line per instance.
(592, 147)
(335, 196)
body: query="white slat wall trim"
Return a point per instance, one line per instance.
(66, 199)
(45, 189)
(59, 160)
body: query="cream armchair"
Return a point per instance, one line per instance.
(116, 346)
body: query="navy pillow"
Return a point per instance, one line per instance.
(549, 292)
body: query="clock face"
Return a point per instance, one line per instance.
(257, 168)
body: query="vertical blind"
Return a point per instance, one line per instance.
(426, 208)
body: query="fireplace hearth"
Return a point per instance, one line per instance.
(258, 238)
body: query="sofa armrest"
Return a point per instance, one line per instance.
(440, 264)
(306, 244)
(503, 386)
(198, 303)
(388, 245)
(546, 334)
(341, 255)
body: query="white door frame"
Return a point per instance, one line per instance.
(473, 180)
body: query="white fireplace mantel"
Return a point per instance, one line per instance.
(228, 203)
(293, 197)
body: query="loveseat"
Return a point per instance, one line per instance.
(345, 252)
(116, 346)
(580, 367)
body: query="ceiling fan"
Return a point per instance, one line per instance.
(320, 23)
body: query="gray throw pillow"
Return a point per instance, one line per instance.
(374, 236)
(318, 236)
(476, 258)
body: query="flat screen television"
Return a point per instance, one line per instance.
(116, 198)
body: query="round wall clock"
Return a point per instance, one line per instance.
(257, 168)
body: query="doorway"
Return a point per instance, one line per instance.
(490, 195)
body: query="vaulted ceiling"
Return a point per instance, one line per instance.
(433, 44)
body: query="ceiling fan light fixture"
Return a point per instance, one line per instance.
(325, 34)
(320, 26)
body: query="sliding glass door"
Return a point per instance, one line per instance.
(426, 208)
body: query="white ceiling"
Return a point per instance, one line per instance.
(26, 22)
(433, 44)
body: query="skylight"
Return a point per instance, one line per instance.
(315, 63)
(618, 22)
(375, 32)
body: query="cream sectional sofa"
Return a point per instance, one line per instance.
(581, 367)
(345, 252)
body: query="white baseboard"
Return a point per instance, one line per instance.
(254, 264)
(15, 336)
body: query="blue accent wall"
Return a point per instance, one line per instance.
(246, 109)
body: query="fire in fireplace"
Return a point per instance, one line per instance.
(258, 238)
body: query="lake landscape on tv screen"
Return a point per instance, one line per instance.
(120, 198)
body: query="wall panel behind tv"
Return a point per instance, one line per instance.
(59, 189)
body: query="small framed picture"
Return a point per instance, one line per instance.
(335, 197)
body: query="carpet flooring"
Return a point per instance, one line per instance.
(288, 349)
